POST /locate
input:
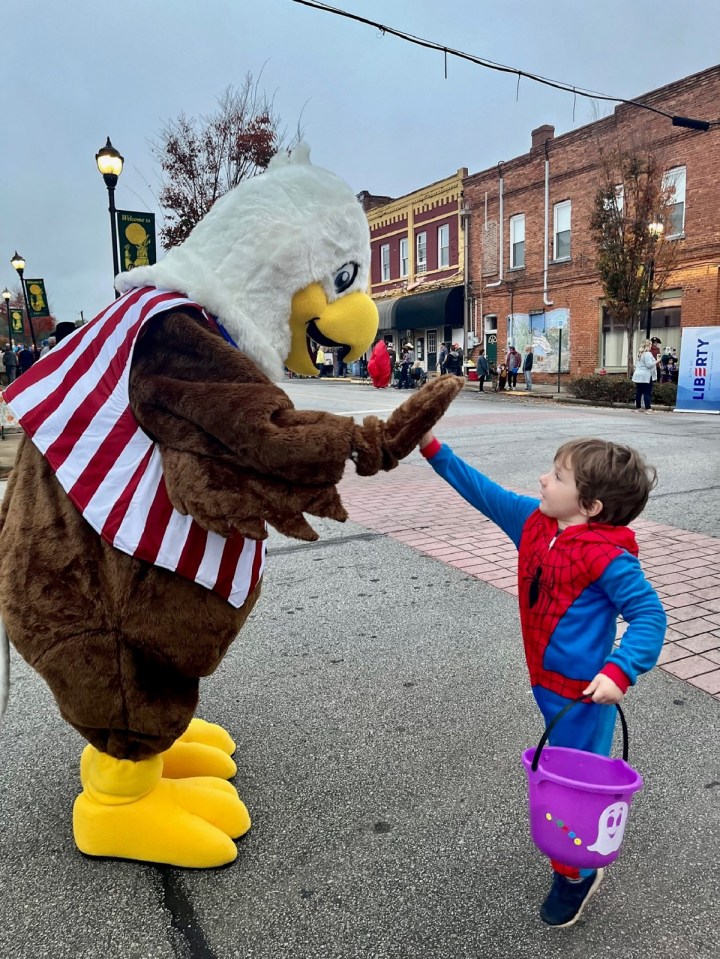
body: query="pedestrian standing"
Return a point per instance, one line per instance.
(513, 363)
(406, 362)
(483, 369)
(26, 358)
(645, 369)
(527, 366)
(51, 341)
(10, 362)
(442, 358)
(454, 360)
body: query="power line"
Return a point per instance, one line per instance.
(677, 121)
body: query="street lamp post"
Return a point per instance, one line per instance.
(655, 230)
(18, 264)
(6, 294)
(110, 164)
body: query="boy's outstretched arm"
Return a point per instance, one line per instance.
(506, 509)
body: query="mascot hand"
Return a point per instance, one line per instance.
(379, 446)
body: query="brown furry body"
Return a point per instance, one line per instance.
(123, 644)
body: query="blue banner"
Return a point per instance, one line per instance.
(699, 370)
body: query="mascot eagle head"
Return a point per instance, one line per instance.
(280, 260)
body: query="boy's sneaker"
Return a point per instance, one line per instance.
(566, 899)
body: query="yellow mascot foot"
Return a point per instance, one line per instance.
(209, 734)
(196, 759)
(204, 749)
(128, 811)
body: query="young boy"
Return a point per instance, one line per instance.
(577, 569)
(502, 378)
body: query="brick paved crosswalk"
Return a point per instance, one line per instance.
(683, 567)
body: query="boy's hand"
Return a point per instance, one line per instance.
(604, 690)
(425, 439)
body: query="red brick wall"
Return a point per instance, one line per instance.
(575, 175)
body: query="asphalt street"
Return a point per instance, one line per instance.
(380, 704)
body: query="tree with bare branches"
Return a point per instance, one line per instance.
(630, 223)
(203, 158)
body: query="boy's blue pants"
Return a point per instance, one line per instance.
(587, 726)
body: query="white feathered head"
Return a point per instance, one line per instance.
(282, 258)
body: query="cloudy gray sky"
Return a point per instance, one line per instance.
(374, 109)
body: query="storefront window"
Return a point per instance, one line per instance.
(664, 324)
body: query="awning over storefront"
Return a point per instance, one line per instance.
(417, 311)
(386, 312)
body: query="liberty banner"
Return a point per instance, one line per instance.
(699, 370)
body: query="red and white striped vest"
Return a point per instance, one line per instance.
(74, 404)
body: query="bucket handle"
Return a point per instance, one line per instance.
(556, 719)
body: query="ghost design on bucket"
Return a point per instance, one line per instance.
(611, 828)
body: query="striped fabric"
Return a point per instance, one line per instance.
(74, 404)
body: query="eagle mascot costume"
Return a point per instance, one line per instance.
(157, 450)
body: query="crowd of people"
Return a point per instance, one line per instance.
(408, 372)
(16, 361)
(504, 375)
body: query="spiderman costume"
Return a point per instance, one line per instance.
(572, 583)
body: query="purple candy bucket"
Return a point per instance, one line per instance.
(579, 801)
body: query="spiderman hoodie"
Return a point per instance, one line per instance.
(572, 584)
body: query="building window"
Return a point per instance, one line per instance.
(517, 241)
(421, 253)
(432, 341)
(614, 342)
(443, 240)
(674, 183)
(664, 323)
(385, 262)
(619, 201)
(561, 248)
(404, 256)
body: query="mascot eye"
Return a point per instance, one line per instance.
(345, 277)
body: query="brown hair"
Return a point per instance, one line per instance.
(616, 475)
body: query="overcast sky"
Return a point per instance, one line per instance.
(375, 110)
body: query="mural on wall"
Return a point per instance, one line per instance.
(548, 333)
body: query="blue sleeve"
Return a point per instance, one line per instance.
(506, 509)
(632, 595)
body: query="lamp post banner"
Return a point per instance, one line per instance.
(136, 233)
(37, 298)
(699, 370)
(17, 321)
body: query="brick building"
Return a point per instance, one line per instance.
(532, 275)
(417, 274)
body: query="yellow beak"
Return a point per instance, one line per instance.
(350, 321)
